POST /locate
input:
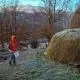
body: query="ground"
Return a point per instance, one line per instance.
(33, 65)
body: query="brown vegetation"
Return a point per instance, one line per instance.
(46, 31)
(75, 23)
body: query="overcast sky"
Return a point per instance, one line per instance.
(30, 2)
(38, 2)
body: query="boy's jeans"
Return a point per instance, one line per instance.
(12, 59)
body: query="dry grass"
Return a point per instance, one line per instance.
(38, 68)
(65, 46)
(75, 22)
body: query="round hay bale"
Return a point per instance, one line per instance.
(65, 46)
(75, 22)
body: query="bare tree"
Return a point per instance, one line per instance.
(51, 6)
(46, 31)
(8, 19)
(50, 12)
(2, 21)
(1, 30)
(14, 7)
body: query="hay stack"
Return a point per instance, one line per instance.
(75, 22)
(65, 46)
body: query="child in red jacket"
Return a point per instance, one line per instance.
(12, 47)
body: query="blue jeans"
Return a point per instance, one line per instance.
(12, 59)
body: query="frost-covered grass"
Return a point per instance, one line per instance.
(38, 68)
(34, 70)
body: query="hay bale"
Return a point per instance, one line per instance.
(75, 22)
(65, 46)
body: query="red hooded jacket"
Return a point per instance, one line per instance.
(13, 44)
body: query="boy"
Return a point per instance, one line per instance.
(13, 47)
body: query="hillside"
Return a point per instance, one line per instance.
(32, 18)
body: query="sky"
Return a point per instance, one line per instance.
(38, 2)
(31, 2)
